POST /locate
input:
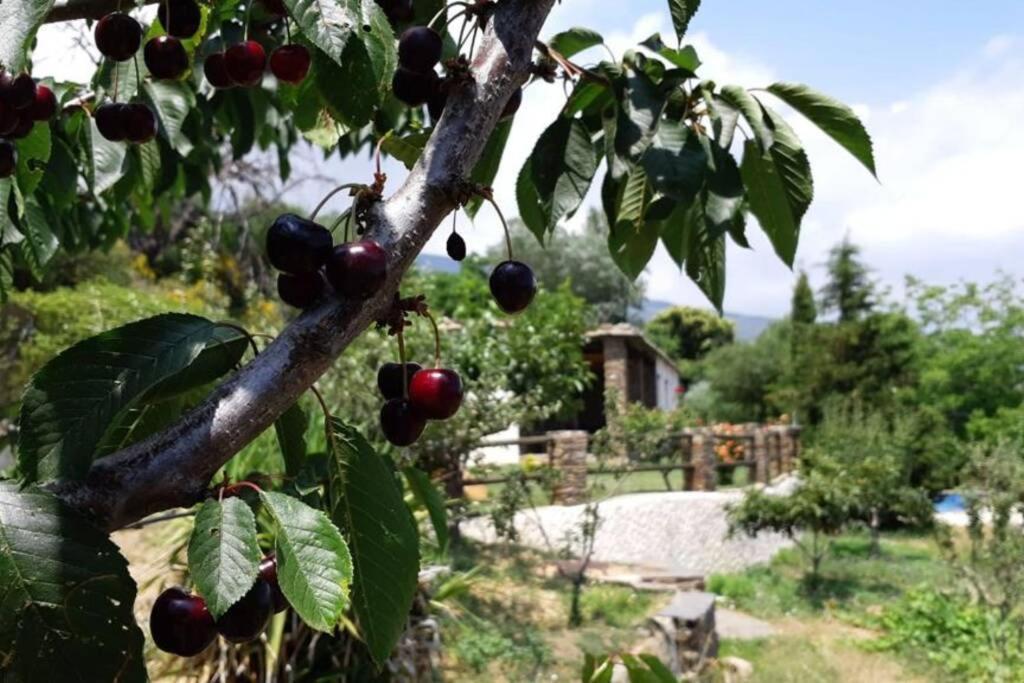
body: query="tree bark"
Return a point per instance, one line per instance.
(173, 468)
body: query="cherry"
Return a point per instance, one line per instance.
(245, 62)
(513, 104)
(118, 36)
(247, 618)
(357, 269)
(139, 123)
(414, 88)
(166, 57)
(268, 572)
(180, 623)
(8, 158)
(215, 69)
(180, 18)
(300, 290)
(297, 245)
(456, 247)
(290, 63)
(8, 118)
(398, 11)
(436, 393)
(274, 7)
(20, 93)
(419, 49)
(110, 120)
(513, 286)
(390, 378)
(45, 106)
(400, 422)
(24, 127)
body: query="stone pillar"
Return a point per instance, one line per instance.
(794, 438)
(616, 372)
(760, 456)
(568, 453)
(702, 476)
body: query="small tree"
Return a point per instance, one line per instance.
(849, 289)
(688, 334)
(803, 309)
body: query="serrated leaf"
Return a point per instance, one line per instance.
(66, 597)
(723, 193)
(685, 57)
(221, 354)
(556, 177)
(586, 95)
(407, 148)
(40, 244)
(172, 101)
(33, 156)
(328, 24)
(223, 555)
(662, 672)
(291, 437)
(354, 104)
(314, 568)
(106, 160)
(19, 22)
(574, 40)
(486, 168)
(430, 498)
(738, 97)
(366, 501)
(834, 118)
(675, 162)
(705, 265)
(633, 238)
(72, 400)
(724, 117)
(682, 11)
(640, 111)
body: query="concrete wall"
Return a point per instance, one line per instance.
(667, 378)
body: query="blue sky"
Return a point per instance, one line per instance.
(939, 84)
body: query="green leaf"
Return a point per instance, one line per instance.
(633, 238)
(378, 41)
(19, 22)
(705, 264)
(724, 116)
(685, 58)
(354, 104)
(833, 117)
(291, 437)
(66, 597)
(314, 568)
(585, 95)
(486, 168)
(223, 555)
(107, 160)
(662, 672)
(407, 148)
(72, 400)
(575, 40)
(366, 501)
(328, 24)
(738, 98)
(221, 354)
(431, 499)
(172, 101)
(682, 11)
(675, 162)
(557, 175)
(723, 193)
(138, 422)
(33, 156)
(40, 244)
(639, 113)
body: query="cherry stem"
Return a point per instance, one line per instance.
(167, 9)
(287, 30)
(138, 76)
(327, 413)
(380, 144)
(351, 217)
(248, 13)
(504, 224)
(346, 186)
(245, 333)
(401, 359)
(117, 79)
(234, 489)
(437, 339)
(455, 219)
(444, 9)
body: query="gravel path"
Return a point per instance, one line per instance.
(682, 533)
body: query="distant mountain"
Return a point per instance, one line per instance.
(748, 327)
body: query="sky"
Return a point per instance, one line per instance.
(938, 84)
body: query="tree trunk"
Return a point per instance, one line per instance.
(875, 550)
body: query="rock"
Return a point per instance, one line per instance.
(736, 669)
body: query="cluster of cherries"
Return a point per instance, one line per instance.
(304, 252)
(23, 103)
(182, 625)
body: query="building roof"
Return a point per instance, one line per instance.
(633, 333)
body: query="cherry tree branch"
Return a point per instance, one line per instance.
(173, 468)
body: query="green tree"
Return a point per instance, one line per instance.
(848, 290)
(688, 334)
(803, 309)
(746, 378)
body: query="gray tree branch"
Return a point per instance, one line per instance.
(173, 468)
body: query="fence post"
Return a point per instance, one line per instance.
(569, 462)
(702, 457)
(760, 455)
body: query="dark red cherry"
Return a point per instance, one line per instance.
(400, 422)
(301, 290)
(245, 63)
(45, 106)
(8, 158)
(290, 63)
(357, 269)
(436, 393)
(215, 68)
(398, 11)
(456, 247)
(414, 88)
(21, 92)
(139, 123)
(118, 36)
(181, 624)
(513, 104)
(180, 18)
(513, 286)
(8, 119)
(268, 572)
(390, 378)
(25, 125)
(110, 120)
(247, 618)
(419, 49)
(297, 245)
(166, 57)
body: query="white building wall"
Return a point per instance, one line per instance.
(667, 380)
